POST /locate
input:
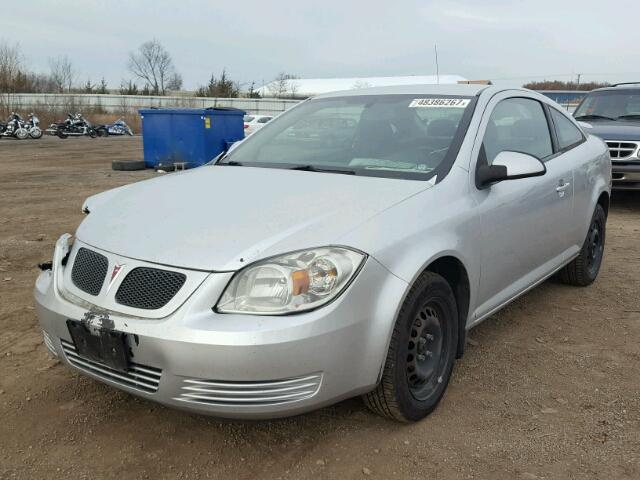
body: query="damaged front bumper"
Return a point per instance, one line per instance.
(232, 365)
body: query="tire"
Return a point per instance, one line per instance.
(583, 269)
(92, 133)
(165, 167)
(421, 353)
(35, 133)
(21, 134)
(128, 165)
(61, 134)
(103, 132)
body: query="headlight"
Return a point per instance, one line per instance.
(293, 282)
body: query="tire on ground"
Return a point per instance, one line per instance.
(393, 397)
(128, 165)
(582, 270)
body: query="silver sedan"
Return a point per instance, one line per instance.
(344, 249)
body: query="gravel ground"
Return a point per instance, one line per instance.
(548, 388)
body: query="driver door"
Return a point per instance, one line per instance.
(525, 223)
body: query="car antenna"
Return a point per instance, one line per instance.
(435, 48)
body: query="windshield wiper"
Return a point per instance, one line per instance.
(231, 163)
(630, 115)
(313, 168)
(594, 117)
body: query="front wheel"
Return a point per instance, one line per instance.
(583, 269)
(92, 133)
(21, 134)
(61, 134)
(421, 353)
(35, 133)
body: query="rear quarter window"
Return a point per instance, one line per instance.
(568, 134)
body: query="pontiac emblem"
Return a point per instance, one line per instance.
(114, 274)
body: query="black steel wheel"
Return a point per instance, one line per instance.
(421, 353)
(583, 269)
(425, 355)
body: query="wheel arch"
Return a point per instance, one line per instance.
(453, 270)
(603, 201)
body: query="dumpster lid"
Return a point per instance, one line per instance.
(192, 111)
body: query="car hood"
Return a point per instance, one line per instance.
(613, 130)
(222, 218)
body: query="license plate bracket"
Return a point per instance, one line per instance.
(105, 346)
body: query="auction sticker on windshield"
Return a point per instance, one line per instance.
(439, 102)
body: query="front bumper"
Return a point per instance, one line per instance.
(241, 366)
(626, 176)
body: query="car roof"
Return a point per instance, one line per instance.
(619, 86)
(424, 89)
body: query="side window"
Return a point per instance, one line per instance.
(264, 119)
(518, 125)
(568, 134)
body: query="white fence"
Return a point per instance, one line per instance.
(129, 104)
(122, 104)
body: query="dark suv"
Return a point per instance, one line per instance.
(613, 114)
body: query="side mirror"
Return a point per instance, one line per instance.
(509, 166)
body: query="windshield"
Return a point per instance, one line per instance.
(248, 118)
(406, 136)
(610, 104)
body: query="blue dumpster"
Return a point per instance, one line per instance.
(191, 135)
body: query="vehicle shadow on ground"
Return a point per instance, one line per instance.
(625, 200)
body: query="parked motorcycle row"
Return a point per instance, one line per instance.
(19, 128)
(75, 125)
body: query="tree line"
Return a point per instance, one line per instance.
(152, 73)
(560, 85)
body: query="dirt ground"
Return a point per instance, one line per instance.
(548, 388)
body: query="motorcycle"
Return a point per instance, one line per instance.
(32, 126)
(74, 125)
(14, 127)
(119, 127)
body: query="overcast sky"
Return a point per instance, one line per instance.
(508, 41)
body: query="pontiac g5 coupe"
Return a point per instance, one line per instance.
(304, 267)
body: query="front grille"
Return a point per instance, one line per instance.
(149, 288)
(89, 271)
(250, 394)
(620, 150)
(139, 377)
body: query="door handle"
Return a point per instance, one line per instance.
(562, 186)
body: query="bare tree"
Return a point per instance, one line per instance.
(282, 86)
(152, 64)
(102, 88)
(10, 64)
(174, 82)
(62, 73)
(252, 92)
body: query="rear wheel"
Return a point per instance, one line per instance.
(92, 133)
(61, 134)
(103, 132)
(583, 269)
(421, 353)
